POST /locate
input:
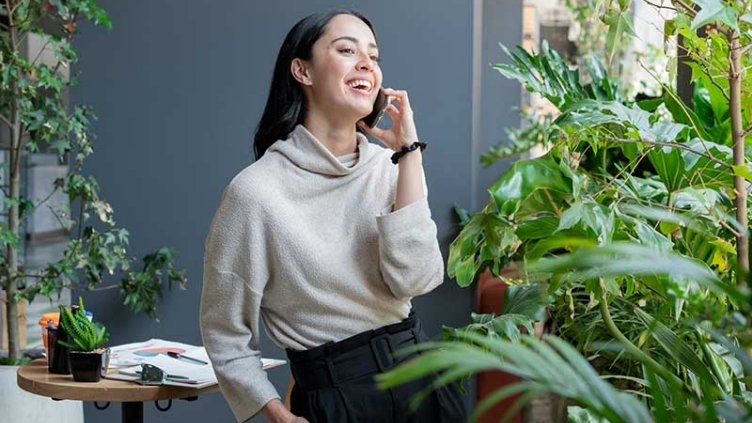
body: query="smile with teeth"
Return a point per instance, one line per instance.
(360, 85)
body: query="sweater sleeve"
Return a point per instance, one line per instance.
(410, 258)
(235, 274)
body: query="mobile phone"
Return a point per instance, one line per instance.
(379, 107)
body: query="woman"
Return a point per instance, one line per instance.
(326, 240)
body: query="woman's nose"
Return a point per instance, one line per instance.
(366, 63)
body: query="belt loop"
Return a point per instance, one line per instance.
(330, 371)
(415, 329)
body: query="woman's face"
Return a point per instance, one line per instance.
(343, 74)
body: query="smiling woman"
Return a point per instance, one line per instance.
(326, 240)
(314, 52)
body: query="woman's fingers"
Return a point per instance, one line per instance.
(384, 136)
(376, 132)
(365, 127)
(392, 110)
(400, 96)
(380, 134)
(399, 111)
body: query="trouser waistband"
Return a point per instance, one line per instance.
(368, 352)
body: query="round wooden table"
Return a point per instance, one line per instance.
(35, 378)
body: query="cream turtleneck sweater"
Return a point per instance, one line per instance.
(312, 247)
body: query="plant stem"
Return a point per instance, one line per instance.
(737, 133)
(553, 203)
(678, 145)
(632, 348)
(660, 6)
(689, 10)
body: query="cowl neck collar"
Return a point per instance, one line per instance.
(307, 152)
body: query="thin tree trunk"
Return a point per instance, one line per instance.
(12, 253)
(735, 109)
(737, 133)
(14, 350)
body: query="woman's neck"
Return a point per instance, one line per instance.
(338, 137)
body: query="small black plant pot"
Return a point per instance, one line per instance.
(89, 366)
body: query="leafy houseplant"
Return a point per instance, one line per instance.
(88, 361)
(86, 335)
(35, 118)
(634, 228)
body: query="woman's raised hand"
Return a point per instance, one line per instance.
(403, 130)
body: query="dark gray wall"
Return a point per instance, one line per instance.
(179, 87)
(499, 98)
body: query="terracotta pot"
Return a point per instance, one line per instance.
(490, 297)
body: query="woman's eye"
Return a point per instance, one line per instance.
(349, 50)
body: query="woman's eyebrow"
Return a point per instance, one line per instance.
(353, 39)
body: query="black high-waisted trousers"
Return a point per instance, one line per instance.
(334, 382)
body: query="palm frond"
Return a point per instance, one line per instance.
(545, 365)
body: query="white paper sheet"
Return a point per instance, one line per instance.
(127, 360)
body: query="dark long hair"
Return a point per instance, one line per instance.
(285, 106)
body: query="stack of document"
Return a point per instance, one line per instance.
(185, 365)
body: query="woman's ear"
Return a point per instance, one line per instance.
(300, 72)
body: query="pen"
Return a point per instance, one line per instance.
(179, 356)
(138, 372)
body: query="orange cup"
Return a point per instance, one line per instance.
(55, 317)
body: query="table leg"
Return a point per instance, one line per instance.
(133, 412)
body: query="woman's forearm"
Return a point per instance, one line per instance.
(410, 186)
(410, 179)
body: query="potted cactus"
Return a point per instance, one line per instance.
(88, 359)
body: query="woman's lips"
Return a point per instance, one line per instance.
(359, 91)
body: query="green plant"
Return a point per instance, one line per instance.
(34, 115)
(86, 335)
(635, 225)
(602, 26)
(547, 365)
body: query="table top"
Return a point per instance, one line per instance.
(34, 377)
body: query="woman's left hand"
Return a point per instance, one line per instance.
(402, 131)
